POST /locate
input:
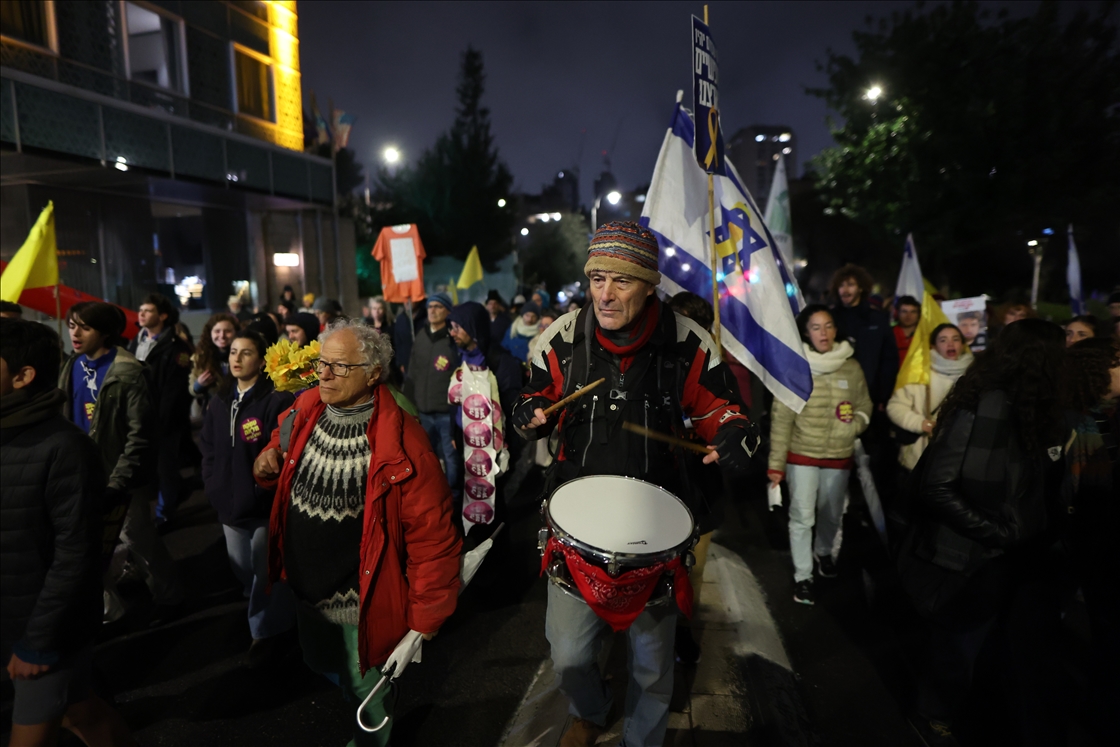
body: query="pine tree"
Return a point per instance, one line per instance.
(452, 193)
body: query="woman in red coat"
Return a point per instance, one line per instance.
(361, 524)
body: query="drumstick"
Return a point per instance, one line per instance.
(572, 397)
(659, 436)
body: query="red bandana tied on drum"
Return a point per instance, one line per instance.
(638, 337)
(619, 601)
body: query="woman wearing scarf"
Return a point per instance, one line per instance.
(523, 329)
(813, 449)
(912, 407)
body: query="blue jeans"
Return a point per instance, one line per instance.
(269, 613)
(816, 496)
(439, 429)
(574, 632)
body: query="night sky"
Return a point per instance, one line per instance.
(557, 70)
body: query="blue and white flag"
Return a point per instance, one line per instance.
(777, 219)
(910, 281)
(756, 309)
(1073, 277)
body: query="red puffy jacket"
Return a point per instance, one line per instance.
(410, 549)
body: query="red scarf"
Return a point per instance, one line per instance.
(638, 336)
(619, 601)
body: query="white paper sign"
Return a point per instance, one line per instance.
(969, 315)
(403, 253)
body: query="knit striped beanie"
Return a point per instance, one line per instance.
(624, 247)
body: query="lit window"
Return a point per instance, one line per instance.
(759, 138)
(785, 137)
(254, 86)
(28, 21)
(787, 151)
(154, 48)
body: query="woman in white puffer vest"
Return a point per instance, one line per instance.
(813, 449)
(912, 408)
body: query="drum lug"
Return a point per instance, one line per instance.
(612, 566)
(689, 560)
(542, 539)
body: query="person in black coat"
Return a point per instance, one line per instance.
(168, 360)
(238, 424)
(51, 485)
(978, 561)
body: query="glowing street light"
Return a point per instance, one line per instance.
(524, 231)
(391, 155)
(614, 197)
(502, 202)
(873, 93)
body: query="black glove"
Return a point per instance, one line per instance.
(523, 412)
(736, 442)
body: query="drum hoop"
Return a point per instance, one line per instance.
(621, 558)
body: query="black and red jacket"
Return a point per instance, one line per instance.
(677, 374)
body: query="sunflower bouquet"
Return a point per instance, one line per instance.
(290, 366)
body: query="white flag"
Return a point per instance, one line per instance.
(910, 282)
(778, 220)
(756, 309)
(1073, 277)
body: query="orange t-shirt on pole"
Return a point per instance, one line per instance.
(401, 255)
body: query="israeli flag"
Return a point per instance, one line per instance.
(910, 280)
(757, 293)
(1073, 276)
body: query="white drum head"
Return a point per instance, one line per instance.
(620, 514)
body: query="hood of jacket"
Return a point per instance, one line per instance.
(473, 317)
(826, 363)
(22, 408)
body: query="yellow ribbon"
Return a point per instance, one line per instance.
(713, 131)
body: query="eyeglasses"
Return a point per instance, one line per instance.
(341, 370)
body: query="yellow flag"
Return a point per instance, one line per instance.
(454, 292)
(36, 263)
(915, 367)
(472, 270)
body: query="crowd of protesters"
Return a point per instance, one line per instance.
(998, 475)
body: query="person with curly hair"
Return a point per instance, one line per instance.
(977, 559)
(1091, 385)
(211, 357)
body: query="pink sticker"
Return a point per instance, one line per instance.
(477, 434)
(499, 440)
(477, 406)
(455, 394)
(479, 463)
(479, 489)
(479, 512)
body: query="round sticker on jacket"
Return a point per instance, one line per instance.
(251, 430)
(845, 412)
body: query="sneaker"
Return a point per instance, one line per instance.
(932, 732)
(826, 568)
(686, 647)
(803, 592)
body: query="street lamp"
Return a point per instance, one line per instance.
(1036, 248)
(613, 198)
(501, 202)
(391, 155)
(873, 93)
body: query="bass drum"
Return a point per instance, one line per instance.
(619, 524)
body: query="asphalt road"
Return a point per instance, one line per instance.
(185, 684)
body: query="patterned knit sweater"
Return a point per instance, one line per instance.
(324, 531)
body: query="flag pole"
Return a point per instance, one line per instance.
(715, 256)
